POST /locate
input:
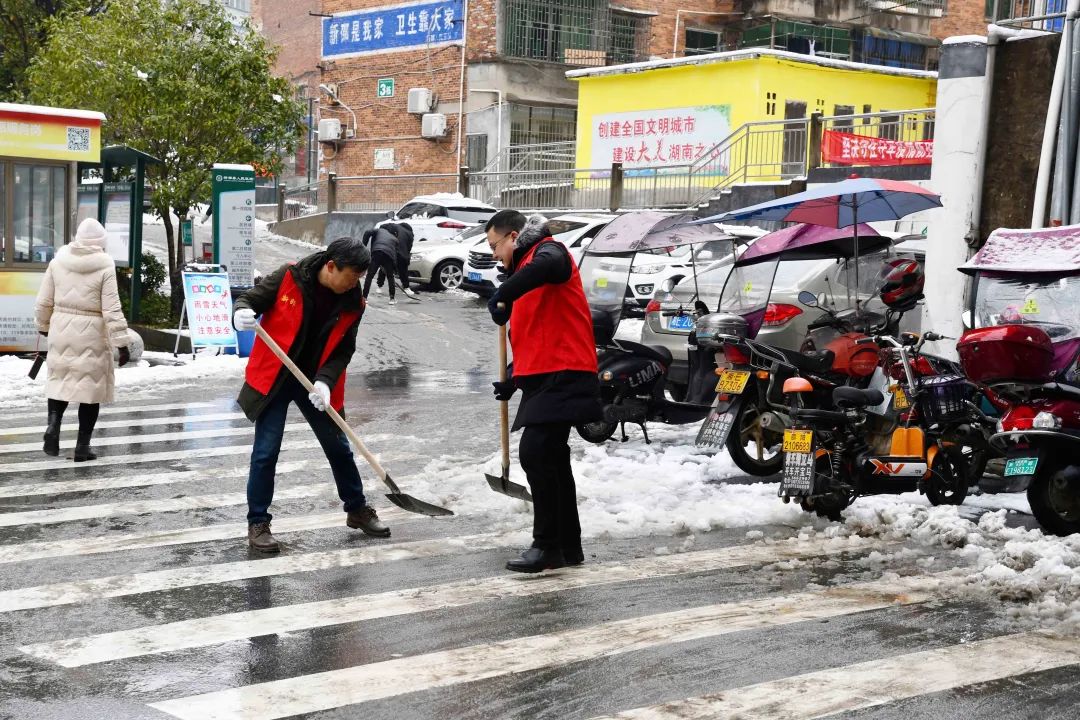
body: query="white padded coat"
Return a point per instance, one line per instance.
(78, 305)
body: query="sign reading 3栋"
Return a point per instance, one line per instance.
(393, 27)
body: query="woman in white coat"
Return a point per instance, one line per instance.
(78, 308)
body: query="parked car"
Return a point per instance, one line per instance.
(439, 265)
(437, 218)
(785, 320)
(573, 231)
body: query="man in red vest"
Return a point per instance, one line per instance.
(312, 310)
(555, 368)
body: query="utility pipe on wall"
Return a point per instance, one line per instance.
(1053, 112)
(461, 85)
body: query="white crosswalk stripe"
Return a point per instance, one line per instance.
(178, 436)
(874, 683)
(337, 688)
(160, 505)
(68, 593)
(289, 618)
(73, 425)
(39, 413)
(62, 487)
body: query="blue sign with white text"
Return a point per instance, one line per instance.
(392, 28)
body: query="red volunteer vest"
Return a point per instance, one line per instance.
(552, 326)
(282, 323)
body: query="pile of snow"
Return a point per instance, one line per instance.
(145, 378)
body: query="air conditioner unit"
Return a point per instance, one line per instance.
(433, 125)
(421, 101)
(329, 130)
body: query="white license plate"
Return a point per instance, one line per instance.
(681, 322)
(475, 277)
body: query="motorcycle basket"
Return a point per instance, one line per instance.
(944, 398)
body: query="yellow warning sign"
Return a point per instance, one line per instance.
(1031, 307)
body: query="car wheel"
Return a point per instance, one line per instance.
(447, 276)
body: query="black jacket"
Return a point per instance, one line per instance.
(384, 242)
(568, 396)
(404, 242)
(263, 296)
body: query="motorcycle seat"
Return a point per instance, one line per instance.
(815, 361)
(1058, 389)
(653, 352)
(849, 397)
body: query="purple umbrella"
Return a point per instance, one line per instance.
(811, 242)
(650, 230)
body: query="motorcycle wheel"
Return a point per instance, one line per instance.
(830, 503)
(754, 450)
(1053, 503)
(597, 432)
(949, 478)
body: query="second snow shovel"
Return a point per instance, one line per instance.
(503, 484)
(403, 501)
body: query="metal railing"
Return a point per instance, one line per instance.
(301, 200)
(1047, 15)
(536, 156)
(381, 193)
(929, 8)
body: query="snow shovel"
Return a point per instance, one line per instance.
(503, 484)
(403, 501)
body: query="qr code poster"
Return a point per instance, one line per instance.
(78, 139)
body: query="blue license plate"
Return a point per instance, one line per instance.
(681, 322)
(475, 276)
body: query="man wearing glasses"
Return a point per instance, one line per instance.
(554, 365)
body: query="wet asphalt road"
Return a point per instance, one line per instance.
(439, 630)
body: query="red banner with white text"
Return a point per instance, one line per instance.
(838, 148)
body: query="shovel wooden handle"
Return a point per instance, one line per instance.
(504, 406)
(338, 420)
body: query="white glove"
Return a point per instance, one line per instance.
(244, 319)
(321, 397)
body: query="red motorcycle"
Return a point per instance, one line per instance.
(1024, 351)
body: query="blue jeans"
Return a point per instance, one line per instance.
(269, 429)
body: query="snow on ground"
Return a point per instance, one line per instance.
(154, 374)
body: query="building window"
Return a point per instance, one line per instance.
(701, 42)
(574, 32)
(476, 152)
(770, 103)
(37, 220)
(843, 125)
(889, 127)
(531, 126)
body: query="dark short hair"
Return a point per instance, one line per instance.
(349, 252)
(506, 221)
(407, 226)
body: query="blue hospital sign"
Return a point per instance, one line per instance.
(392, 28)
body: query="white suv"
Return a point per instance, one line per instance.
(437, 218)
(481, 271)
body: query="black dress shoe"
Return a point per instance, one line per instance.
(573, 556)
(535, 560)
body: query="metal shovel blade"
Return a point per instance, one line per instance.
(507, 487)
(408, 502)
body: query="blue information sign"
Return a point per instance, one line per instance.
(392, 28)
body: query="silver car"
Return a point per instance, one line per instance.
(438, 265)
(786, 319)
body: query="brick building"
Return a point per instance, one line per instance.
(498, 71)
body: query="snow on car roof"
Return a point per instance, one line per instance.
(443, 198)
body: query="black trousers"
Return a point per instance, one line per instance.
(384, 263)
(403, 273)
(545, 457)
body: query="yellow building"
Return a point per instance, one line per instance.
(673, 113)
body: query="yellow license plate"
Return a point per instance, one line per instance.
(798, 441)
(732, 382)
(601, 282)
(900, 398)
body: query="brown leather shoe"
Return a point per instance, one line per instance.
(367, 520)
(259, 538)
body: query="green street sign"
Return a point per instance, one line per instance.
(187, 232)
(234, 208)
(385, 88)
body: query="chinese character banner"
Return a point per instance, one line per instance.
(656, 138)
(838, 148)
(397, 27)
(209, 308)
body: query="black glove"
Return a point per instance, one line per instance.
(500, 315)
(125, 356)
(504, 390)
(42, 333)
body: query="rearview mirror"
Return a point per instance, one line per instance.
(968, 324)
(668, 285)
(390, 215)
(808, 298)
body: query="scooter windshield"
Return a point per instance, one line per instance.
(1052, 303)
(605, 278)
(746, 293)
